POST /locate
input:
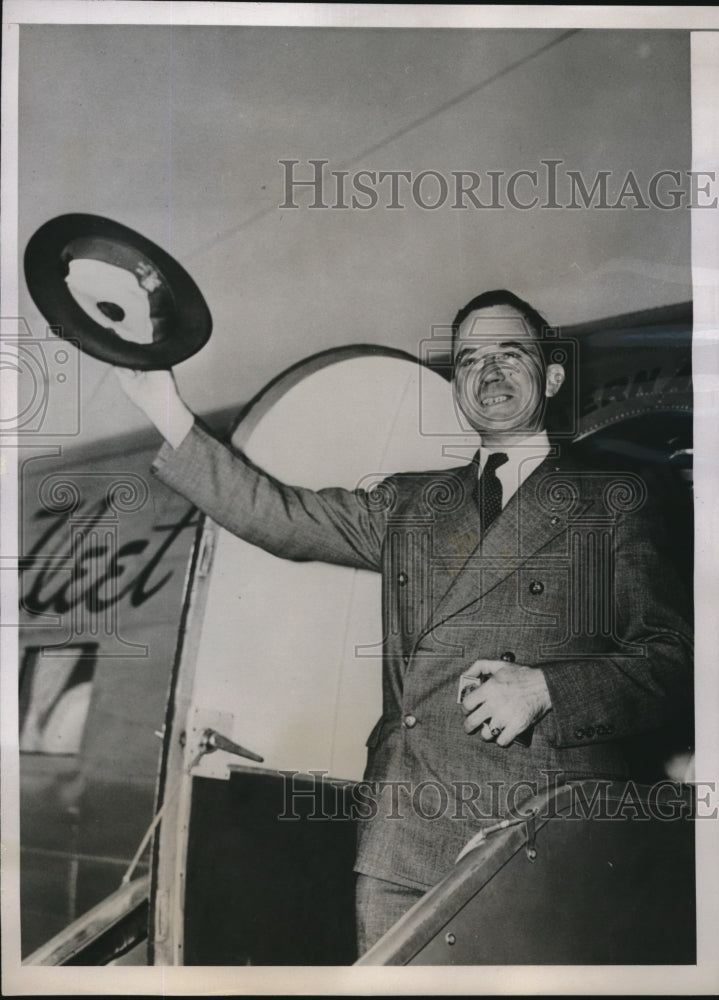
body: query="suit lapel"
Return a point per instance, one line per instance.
(455, 536)
(466, 568)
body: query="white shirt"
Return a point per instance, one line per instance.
(522, 459)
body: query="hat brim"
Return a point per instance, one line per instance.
(181, 320)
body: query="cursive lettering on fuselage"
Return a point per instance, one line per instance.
(61, 573)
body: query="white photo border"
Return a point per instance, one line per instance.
(704, 978)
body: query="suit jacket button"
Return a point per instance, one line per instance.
(410, 721)
(536, 587)
(554, 521)
(402, 579)
(589, 732)
(579, 734)
(509, 656)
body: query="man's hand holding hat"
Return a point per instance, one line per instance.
(157, 395)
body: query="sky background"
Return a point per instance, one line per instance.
(178, 132)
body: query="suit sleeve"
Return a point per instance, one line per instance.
(328, 525)
(647, 680)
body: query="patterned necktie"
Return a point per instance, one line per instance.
(489, 490)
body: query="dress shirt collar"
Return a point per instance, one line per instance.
(522, 459)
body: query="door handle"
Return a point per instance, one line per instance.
(212, 740)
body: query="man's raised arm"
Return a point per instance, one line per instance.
(329, 525)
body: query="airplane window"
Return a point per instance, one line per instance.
(55, 696)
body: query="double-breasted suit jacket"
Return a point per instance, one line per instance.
(570, 578)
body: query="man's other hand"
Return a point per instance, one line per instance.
(156, 394)
(510, 698)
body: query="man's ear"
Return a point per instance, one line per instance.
(555, 379)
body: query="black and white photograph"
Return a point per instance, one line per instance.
(359, 465)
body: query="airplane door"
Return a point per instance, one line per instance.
(282, 661)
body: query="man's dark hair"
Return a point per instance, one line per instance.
(501, 297)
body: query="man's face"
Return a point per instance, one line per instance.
(499, 376)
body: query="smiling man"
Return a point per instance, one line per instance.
(501, 384)
(530, 625)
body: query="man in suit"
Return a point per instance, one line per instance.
(542, 579)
